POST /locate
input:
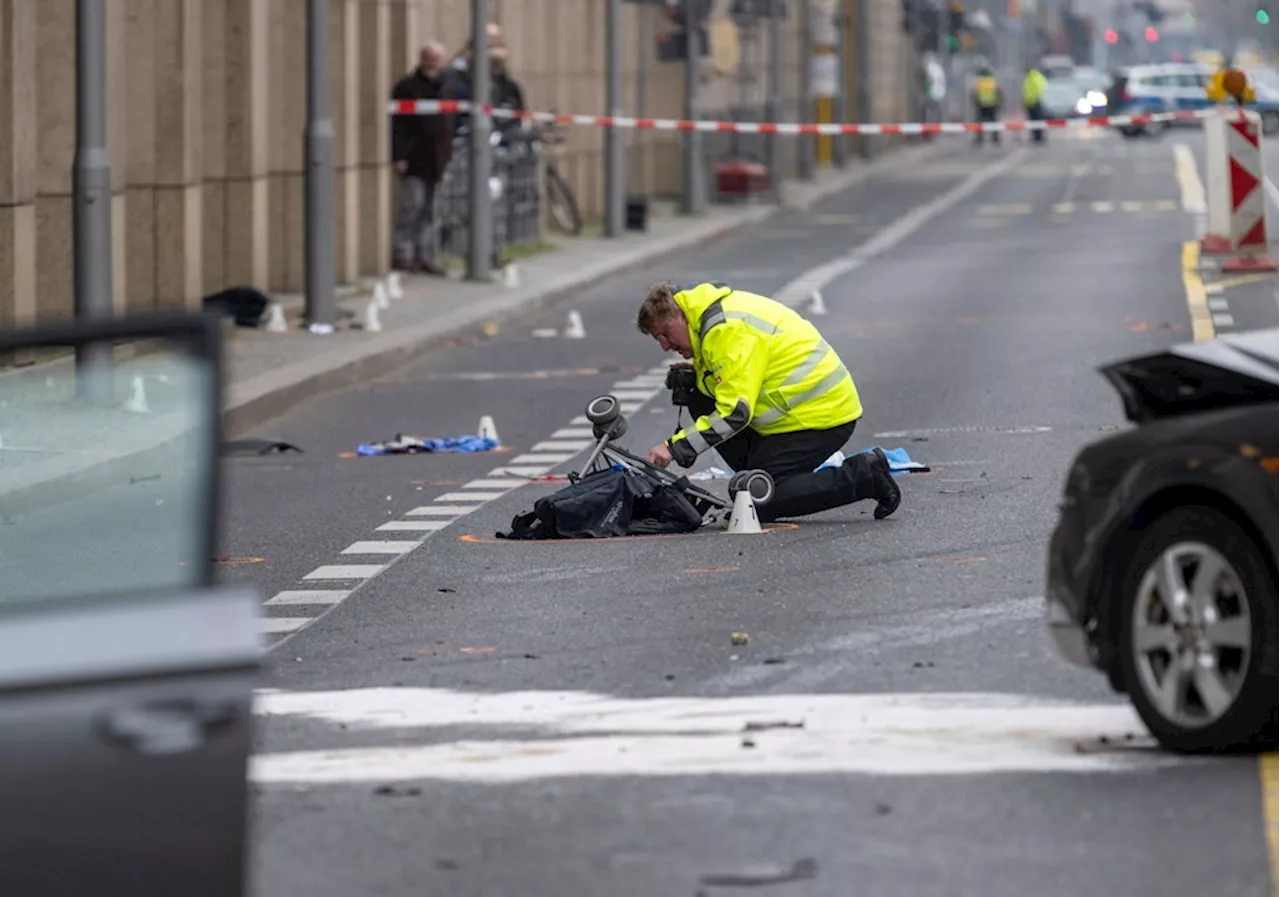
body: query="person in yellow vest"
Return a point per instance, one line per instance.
(987, 99)
(772, 395)
(1033, 87)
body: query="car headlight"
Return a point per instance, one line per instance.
(1083, 106)
(1096, 98)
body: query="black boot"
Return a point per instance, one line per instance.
(888, 495)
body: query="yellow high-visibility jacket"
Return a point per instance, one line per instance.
(766, 367)
(986, 92)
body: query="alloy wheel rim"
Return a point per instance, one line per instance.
(1192, 634)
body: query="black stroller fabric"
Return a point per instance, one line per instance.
(616, 502)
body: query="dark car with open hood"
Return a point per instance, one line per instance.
(1162, 568)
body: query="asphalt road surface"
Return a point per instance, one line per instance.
(464, 715)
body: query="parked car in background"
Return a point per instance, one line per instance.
(1161, 571)
(1174, 87)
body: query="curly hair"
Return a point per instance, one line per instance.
(659, 305)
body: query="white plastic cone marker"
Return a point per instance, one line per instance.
(488, 429)
(744, 521)
(817, 306)
(372, 322)
(380, 296)
(574, 329)
(276, 322)
(394, 288)
(510, 276)
(137, 401)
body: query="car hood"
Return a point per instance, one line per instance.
(1241, 369)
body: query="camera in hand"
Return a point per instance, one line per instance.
(683, 383)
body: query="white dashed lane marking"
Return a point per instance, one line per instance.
(413, 526)
(309, 596)
(563, 444)
(345, 571)
(380, 547)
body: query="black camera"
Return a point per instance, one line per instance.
(683, 383)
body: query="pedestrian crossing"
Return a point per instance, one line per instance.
(1095, 207)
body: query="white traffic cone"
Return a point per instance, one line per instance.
(510, 276)
(487, 429)
(744, 521)
(276, 322)
(394, 288)
(574, 329)
(372, 322)
(380, 297)
(816, 305)
(137, 401)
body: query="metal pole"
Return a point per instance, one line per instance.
(320, 224)
(480, 243)
(773, 105)
(92, 209)
(613, 171)
(864, 81)
(694, 197)
(806, 149)
(840, 145)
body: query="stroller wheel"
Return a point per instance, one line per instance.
(759, 484)
(615, 429)
(735, 483)
(603, 410)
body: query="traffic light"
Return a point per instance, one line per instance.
(1262, 16)
(1110, 36)
(1151, 34)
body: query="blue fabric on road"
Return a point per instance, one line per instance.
(900, 461)
(403, 445)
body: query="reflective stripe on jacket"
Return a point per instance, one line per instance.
(1033, 88)
(766, 367)
(987, 92)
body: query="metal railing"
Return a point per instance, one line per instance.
(515, 189)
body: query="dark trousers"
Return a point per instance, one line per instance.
(790, 458)
(987, 113)
(1035, 112)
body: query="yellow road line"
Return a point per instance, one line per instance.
(1230, 282)
(1267, 770)
(1197, 301)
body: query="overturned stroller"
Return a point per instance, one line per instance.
(621, 494)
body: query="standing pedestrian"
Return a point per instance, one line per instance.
(421, 147)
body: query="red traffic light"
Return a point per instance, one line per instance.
(1152, 35)
(1110, 36)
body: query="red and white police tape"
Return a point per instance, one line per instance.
(435, 107)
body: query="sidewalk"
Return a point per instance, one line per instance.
(267, 373)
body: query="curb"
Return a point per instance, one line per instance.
(268, 396)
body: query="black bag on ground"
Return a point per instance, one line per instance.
(609, 503)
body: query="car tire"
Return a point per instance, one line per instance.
(1231, 639)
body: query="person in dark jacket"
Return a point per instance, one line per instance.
(421, 146)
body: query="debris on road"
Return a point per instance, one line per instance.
(765, 874)
(412, 445)
(739, 638)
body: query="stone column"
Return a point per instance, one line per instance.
(288, 118)
(214, 39)
(179, 159)
(135, 169)
(246, 140)
(56, 129)
(344, 36)
(374, 137)
(17, 163)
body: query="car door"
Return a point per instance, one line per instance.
(126, 675)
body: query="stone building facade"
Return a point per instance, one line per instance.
(206, 114)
